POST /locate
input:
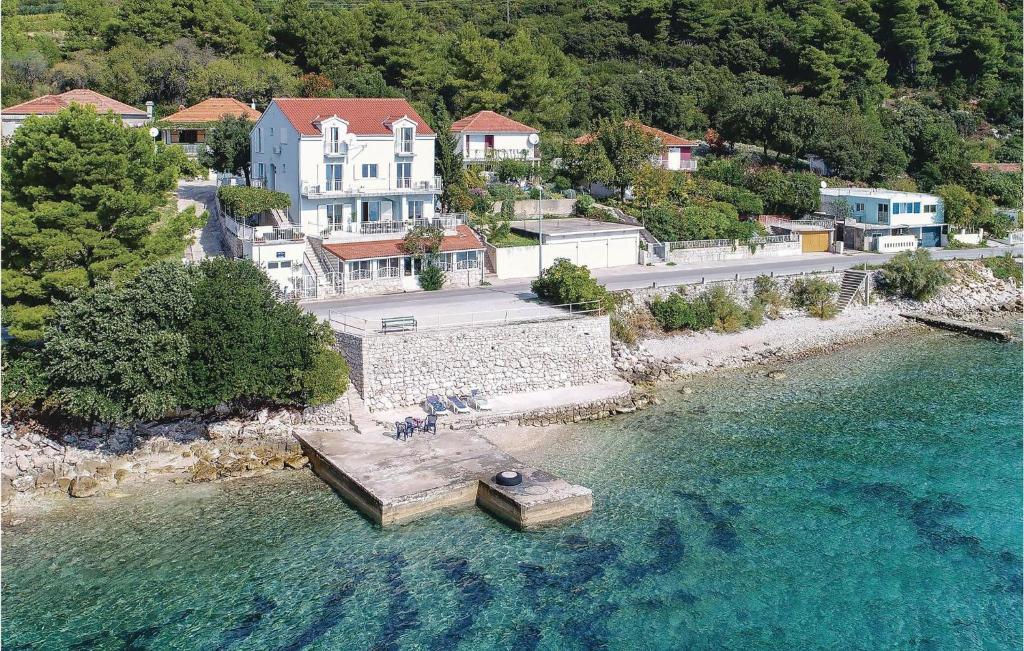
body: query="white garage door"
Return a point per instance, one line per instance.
(623, 251)
(594, 254)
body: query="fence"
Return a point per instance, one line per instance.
(1016, 237)
(713, 244)
(352, 324)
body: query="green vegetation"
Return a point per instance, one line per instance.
(768, 295)
(914, 275)
(1005, 267)
(815, 295)
(177, 337)
(714, 308)
(83, 201)
(243, 201)
(565, 282)
(227, 147)
(967, 210)
(431, 278)
(512, 239)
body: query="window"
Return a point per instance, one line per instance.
(389, 268)
(466, 260)
(359, 269)
(261, 171)
(930, 208)
(259, 140)
(334, 176)
(405, 140)
(883, 212)
(370, 211)
(917, 207)
(858, 207)
(415, 210)
(404, 175)
(271, 130)
(285, 264)
(271, 265)
(896, 207)
(908, 208)
(334, 140)
(335, 215)
(369, 170)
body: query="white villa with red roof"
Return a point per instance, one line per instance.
(486, 136)
(360, 174)
(130, 116)
(676, 153)
(187, 127)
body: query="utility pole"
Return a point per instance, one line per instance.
(540, 228)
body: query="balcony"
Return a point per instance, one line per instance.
(369, 187)
(489, 154)
(390, 228)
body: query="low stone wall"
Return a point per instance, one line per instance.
(742, 289)
(527, 207)
(400, 369)
(738, 252)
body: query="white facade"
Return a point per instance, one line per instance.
(341, 184)
(478, 147)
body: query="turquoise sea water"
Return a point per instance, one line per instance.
(870, 500)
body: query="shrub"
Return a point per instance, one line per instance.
(510, 170)
(715, 308)
(767, 294)
(185, 337)
(724, 313)
(914, 275)
(673, 312)
(431, 278)
(565, 282)
(816, 296)
(242, 201)
(1005, 267)
(24, 383)
(584, 204)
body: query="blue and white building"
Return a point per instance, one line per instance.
(887, 221)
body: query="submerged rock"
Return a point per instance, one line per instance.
(777, 375)
(203, 471)
(297, 461)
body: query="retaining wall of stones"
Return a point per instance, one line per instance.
(739, 251)
(400, 369)
(742, 289)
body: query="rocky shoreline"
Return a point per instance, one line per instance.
(39, 463)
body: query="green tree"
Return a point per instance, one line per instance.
(119, 353)
(963, 209)
(627, 148)
(85, 201)
(449, 163)
(246, 345)
(815, 295)
(564, 282)
(227, 146)
(914, 275)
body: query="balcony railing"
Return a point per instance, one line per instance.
(389, 272)
(360, 274)
(467, 264)
(369, 187)
(392, 226)
(488, 153)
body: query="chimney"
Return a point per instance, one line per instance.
(149, 109)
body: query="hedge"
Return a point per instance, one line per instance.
(244, 201)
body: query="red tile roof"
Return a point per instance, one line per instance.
(490, 122)
(665, 137)
(997, 167)
(213, 109)
(50, 104)
(464, 240)
(365, 117)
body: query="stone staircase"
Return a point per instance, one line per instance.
(656, 248)
(853, 282)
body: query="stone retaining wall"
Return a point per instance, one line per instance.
(400, 369)
(738, 252)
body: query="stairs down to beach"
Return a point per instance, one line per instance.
(853, 282)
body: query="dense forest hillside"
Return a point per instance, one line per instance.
(879, 88)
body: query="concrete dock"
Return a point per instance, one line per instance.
(392, 482)
(962, 327)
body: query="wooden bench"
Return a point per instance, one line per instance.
(398, 324)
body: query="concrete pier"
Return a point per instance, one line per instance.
(392, 482)
(962, 327)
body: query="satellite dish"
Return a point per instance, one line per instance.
(533, 139)
(154, 132)
(824, 185)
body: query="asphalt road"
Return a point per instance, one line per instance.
(484, 303)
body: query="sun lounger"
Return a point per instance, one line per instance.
(458, 405)
(436, 406)
(478, 400)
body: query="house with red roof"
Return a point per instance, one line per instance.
(187, 126)
(676, 153)
(360, 175)
(13, 116)
(487, 136)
